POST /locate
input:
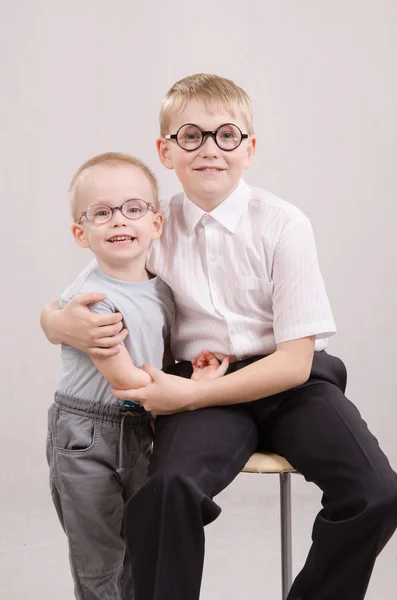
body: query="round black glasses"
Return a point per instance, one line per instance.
(190, 137)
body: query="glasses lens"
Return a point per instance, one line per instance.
(228, 137)
(99, 214)
(189, 137)
(134, 209)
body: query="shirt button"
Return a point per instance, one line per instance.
(206, 219)
(233, 330)
(213, 259)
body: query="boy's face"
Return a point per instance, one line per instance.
(120, 239)
(208, 174)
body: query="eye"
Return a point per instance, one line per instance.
(191, 137)
(133, 208)
(101, 212)
(227, 135)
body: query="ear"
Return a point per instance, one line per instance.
(79, 235)
(158, 223)
(251, 147)
(164, 153)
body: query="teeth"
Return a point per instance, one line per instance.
(120, 238)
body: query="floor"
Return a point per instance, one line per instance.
(243, 545)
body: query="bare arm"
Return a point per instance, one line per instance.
(98, 334)
(78, 326)
(120, 371)
(288, 367)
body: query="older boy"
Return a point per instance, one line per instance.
(243, 268)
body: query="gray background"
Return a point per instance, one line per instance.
(83, 77)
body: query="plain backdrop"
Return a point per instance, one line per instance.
(80, 77)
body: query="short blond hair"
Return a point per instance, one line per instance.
(213, 91)
(112, 159)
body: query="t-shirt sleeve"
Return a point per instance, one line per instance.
(104, 307)
(300, 303)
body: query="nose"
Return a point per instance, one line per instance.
(118, 219)
(209, 148)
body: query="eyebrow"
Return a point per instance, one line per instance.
(204, 129)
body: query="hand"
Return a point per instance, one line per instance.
(99, 335)
(207, 367)
(167, 394)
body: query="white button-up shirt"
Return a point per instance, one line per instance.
(245, 276)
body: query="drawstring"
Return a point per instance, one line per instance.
(120, 468)
(126, 404)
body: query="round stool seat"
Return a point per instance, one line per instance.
(262, 462)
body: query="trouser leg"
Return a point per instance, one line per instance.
(196, 454)
(88, 493)
(323, 436)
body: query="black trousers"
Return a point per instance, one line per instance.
(197, 454)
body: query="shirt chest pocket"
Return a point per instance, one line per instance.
(256, 297)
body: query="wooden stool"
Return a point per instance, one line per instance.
(273, 463)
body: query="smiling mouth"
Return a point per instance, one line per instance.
(209, 169)
(121, 239)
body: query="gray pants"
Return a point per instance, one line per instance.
(98, 457)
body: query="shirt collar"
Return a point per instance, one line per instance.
(228, 213)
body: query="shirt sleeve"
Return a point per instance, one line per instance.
(300, 303)
(101, 308)
(106, 306)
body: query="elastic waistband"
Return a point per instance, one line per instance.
(97, 410)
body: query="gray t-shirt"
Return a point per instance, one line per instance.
(147, 308)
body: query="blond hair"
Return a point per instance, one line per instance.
(213, 91)
(112, 159)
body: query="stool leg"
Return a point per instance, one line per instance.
(286, 534)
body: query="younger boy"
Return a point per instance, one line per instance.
(243, 268)
(97, 447)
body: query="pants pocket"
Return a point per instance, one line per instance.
(75, 433)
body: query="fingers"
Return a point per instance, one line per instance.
(109, 342)
(202, 361)
(223, 367)
(88, 298)
(109, 330)
(134, 395)
(103, 352)
(209, 358)
(107, 319)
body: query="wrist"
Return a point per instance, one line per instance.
(199, 396)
